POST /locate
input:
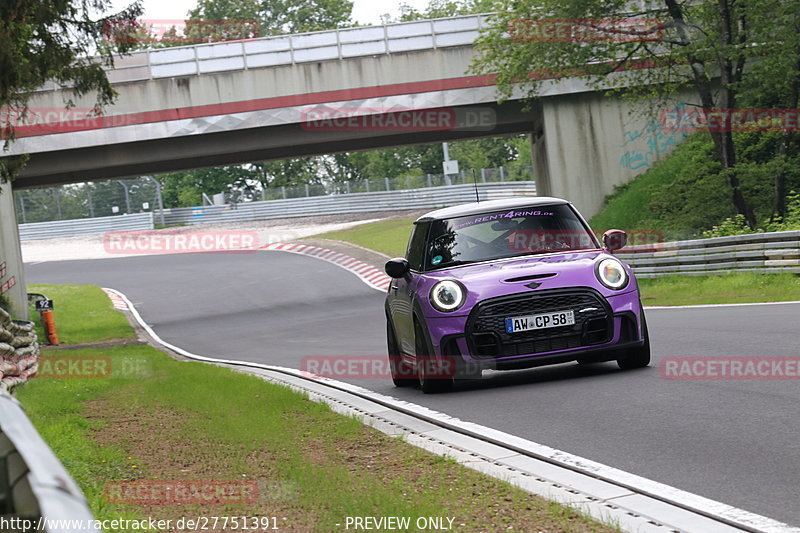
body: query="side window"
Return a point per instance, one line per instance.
(416, 247)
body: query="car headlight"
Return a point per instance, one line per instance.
(612, 274)
(447, 295)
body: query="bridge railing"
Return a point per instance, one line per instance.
(298, 48)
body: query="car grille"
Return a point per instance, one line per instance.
(487, 336)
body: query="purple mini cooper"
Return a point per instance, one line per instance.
(509, 284)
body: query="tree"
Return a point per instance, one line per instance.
(774, 80)
(279, 17)
(42, 40)
(445, 8)
(708, 47)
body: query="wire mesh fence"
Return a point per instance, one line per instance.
(143, 195)
(88, 200)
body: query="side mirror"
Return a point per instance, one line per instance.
(397, 268)
(614, 239)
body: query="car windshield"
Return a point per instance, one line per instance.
(507, 233)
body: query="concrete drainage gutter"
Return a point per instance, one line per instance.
(612, 496)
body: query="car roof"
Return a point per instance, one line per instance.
(478, 208)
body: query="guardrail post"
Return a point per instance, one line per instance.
(429, 181)
(502, 173)
(283, 191)
(483, 175)
(307, 193)
(347, 186)
(388, 188)
(366, 183)
(408, 182)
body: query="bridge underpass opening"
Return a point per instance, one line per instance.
(224, 103)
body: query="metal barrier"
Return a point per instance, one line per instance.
(756, 252)
(298, 48)
(349, 203)
(34, 485)
(85, 226)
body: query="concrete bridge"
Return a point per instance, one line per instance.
(321, 93)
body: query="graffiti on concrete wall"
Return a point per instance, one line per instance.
(641, 147)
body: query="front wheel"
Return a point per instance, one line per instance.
(431, 376)
(402, 373)
(637, 357)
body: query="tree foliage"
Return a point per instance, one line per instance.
(279, 17)
(246, 182)
(720, 50)
(53, 40)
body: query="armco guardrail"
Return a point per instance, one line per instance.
(756, 252)
(34, 486)
(85, 226)
(300, 48)
(427, 198)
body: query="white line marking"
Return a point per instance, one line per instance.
(711, 306)
(642, 485)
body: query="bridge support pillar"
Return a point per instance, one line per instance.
(12, 275)
(587, 144)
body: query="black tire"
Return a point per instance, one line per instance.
(431, 378)
(402, 373)
(637, 357)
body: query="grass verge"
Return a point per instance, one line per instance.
(155, 419)
(83, 313)
(730, 288)
(390, 236)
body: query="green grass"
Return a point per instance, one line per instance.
(83, 313)
(197, 422)
(389, 237)
(729, 288)
(686, 193)
(386, 236)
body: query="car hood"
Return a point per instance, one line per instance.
(533, 272)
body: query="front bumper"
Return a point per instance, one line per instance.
(455, 337)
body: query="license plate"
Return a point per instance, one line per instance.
(545, 320)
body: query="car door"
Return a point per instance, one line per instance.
(401, 291)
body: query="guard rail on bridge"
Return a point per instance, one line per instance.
(299, 48)
(33, 484)
(756, 252)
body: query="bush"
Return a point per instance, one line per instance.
(737, 225)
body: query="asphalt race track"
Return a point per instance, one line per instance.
(733, 441)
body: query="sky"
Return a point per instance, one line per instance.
(364, 11)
